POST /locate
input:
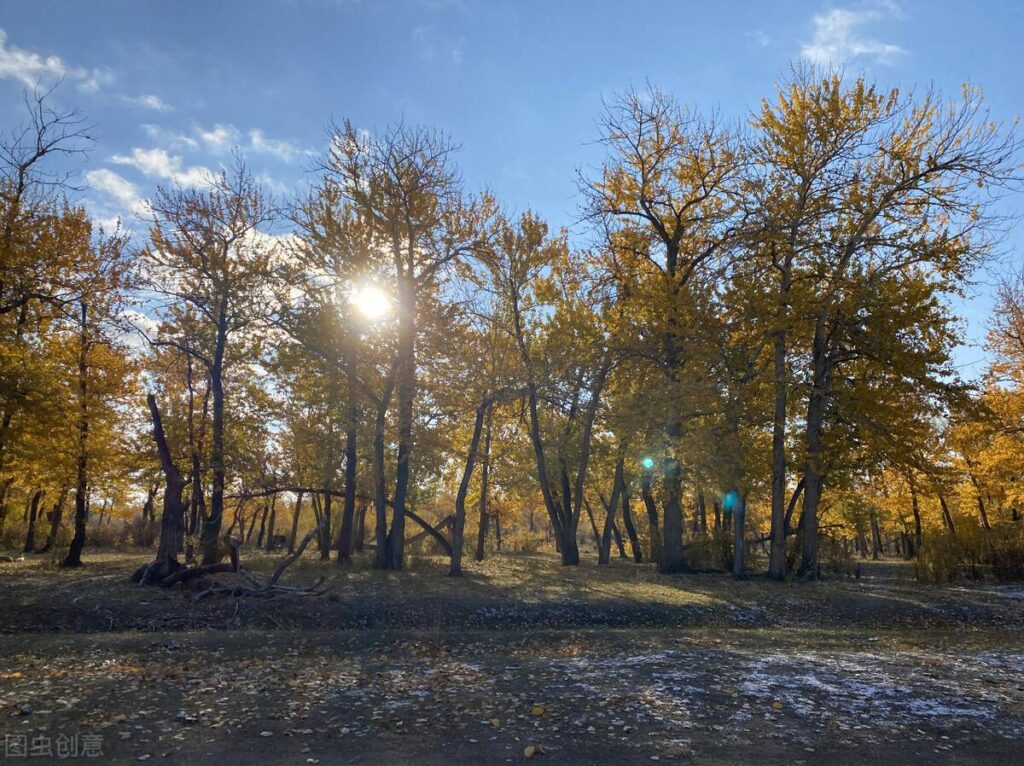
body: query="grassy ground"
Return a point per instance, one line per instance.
(585, 665)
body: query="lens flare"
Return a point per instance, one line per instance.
(372, 302)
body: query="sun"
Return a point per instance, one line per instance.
(372, 302)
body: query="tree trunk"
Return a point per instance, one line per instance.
(406, 388)
(379, 491)
(618, 541)
(360, 537)
(166, 562)
(263, 523)
(295, 523)
(673, 557)
(348, 511)
(777, 556)
(74, 557)
(876, 538)
(209, 543)
(627, 520)
(458, 532)
(272, 522)
(5, 488)
(593, 526)
(813, 480)
(982, 513)
(33, 515)
(485, 471)
(739, 514)
(947, 517)
(610, 508)
(652, 516)
(56, 516)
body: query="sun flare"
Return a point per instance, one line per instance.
(372, 302)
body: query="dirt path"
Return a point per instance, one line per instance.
(581, 696)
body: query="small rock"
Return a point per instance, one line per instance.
(25, 709)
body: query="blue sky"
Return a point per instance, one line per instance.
(174, 86)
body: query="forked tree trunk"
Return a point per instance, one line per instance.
(610, 507)
(33, 515)
(627, 520)
(166, 562)
(56, 516)
(458, 532)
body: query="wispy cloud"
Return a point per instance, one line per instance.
(112, 184)
(845, 34)
(433, 44)
(760, 37)
(220, 137)
(31, 69)
(158, 163)
(168, 138)
(280, 148)
(148, 101)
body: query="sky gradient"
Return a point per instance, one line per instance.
(174, 86)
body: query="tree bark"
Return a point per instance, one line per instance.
(947, 517)
(982, 513)
(209, 543)
(739, 514)
(458, 532)
(627, 520)
(610, 508)
(166, 562)
(56, 516)
(813, 480)
(652, 516)
(33, 514)
(74, 557)
(348, 511)
(777, 556)
(485, 472)
(380, 500)
(295, 523)
(406, 389)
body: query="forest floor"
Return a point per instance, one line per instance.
(520, 657)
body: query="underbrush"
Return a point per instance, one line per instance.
(973, 554)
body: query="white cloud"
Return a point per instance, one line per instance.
(148, 101)
(282, 149)
(111, 183)
(123, 191)
(840, 36)
(31, 69)
(220, 137)
(158, 163)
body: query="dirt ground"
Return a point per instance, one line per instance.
(571, 666)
